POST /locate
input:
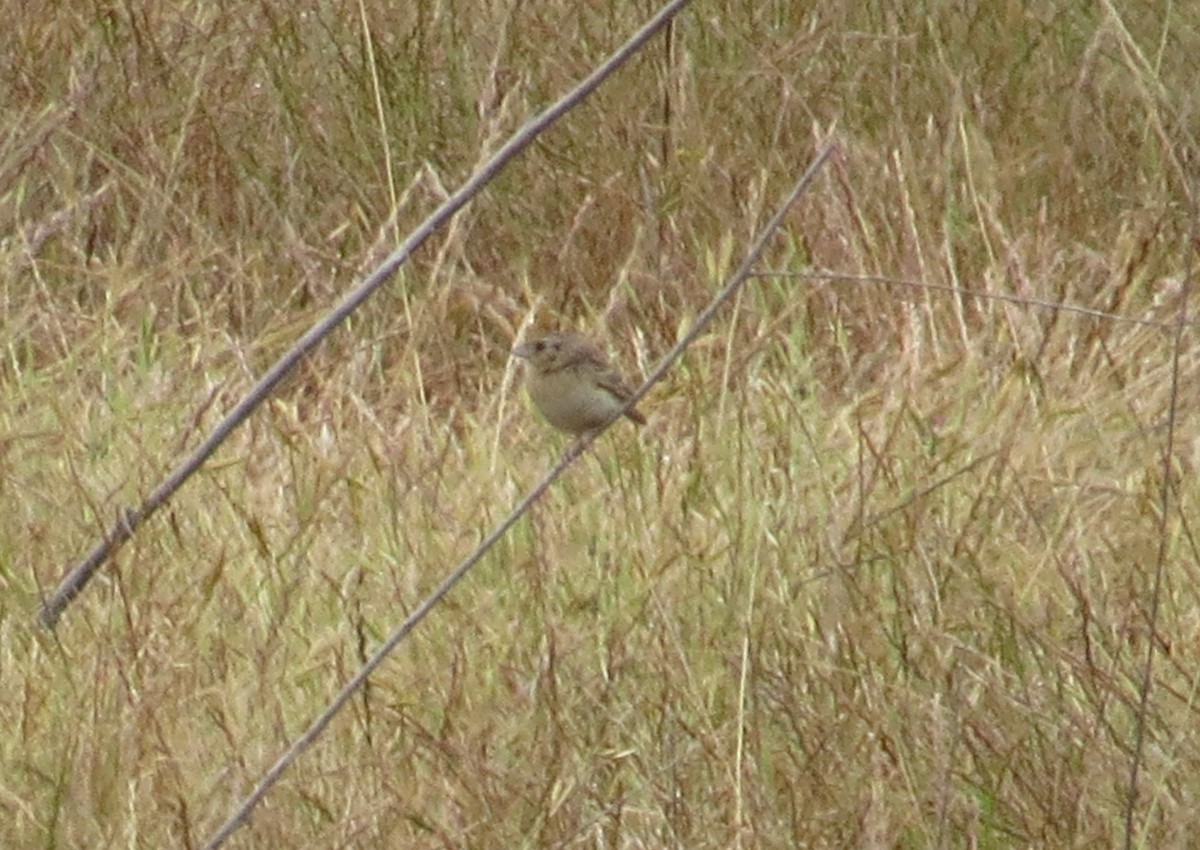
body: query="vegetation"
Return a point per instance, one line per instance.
(880, 572)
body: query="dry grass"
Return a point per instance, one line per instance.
(877, 574)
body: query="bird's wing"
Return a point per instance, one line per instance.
(586, 355)
(616, 385)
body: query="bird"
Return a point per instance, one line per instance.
(572, 384)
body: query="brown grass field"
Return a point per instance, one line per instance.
(885, 568)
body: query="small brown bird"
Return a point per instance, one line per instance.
(572, 384)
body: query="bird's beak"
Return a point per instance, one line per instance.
(523, 351)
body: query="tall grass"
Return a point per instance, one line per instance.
(877, 573)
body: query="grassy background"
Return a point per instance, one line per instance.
(879, 571)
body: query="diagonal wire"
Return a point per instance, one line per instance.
(128, 522)
(351, 687)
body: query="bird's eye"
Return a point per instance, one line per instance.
(539, 346)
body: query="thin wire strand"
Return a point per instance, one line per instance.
(351, 687)
(986, 296)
